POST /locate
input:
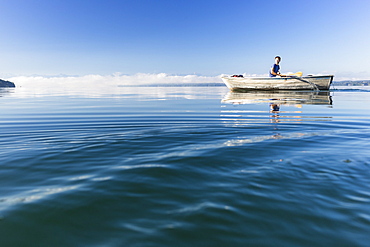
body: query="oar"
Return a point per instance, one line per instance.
(312, 84)
(298, 74)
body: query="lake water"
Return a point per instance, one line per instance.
(184, 166)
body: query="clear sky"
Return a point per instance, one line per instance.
(205, 37)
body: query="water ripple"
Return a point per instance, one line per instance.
(190, 170)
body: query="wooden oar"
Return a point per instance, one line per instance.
(297, 74)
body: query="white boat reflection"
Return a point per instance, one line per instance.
(257, 107)
(280, 97)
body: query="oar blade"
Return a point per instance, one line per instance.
(299, 74)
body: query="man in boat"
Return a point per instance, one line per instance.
(274, 71)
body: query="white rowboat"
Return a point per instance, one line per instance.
(278, 83)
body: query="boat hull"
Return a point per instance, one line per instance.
(278, 83)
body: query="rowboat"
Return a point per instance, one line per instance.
(278, 83)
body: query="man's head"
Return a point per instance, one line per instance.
(277, 59)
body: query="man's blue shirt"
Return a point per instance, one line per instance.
(276, 68)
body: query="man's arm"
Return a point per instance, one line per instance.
(273, 72)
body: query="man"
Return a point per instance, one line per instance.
(274, 71)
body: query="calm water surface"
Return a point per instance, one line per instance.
(184, 166)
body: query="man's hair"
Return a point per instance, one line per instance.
(278, 57)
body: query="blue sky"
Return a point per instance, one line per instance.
(205, 37)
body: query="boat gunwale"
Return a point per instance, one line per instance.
(233, 83)
(278, 78)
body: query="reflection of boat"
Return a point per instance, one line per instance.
(279, 97)
(278, 83)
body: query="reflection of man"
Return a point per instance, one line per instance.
(274, 71)
(275, 107)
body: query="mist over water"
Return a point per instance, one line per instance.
(98, 161)
(99, 84)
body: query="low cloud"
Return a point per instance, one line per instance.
(113, 80)
(99, 85)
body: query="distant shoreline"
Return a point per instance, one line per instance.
(4, 83)
(352, 83)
